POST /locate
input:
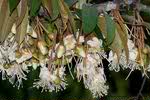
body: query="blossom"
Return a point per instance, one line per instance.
(116, 63)
(12, 67)
(51, 80)
(95, 42)
(91, 70)
(69, 42)
(16, 72)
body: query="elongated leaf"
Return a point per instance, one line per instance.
(116, 45)
(71, 18)
(102, 25)
(6, 20)
(47, 5)
(22, 27)
(89, 18)
(122, 31)
(7, 25)
(98, 33)
(55, 9)
(111, 29)
(35, 6)
(13, 4)
(64, 14)
(22, 8)
(70, 2)
(3, 13)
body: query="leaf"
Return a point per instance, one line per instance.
(89, 18)
(3, 12)
(70, 2)
(122, 31)
(55, 9)
(22, 28)
(98, 33)
(22, 8)
(116, 45)
(47, 5)
(7, 25)
(35, 6)
(13, 5)
(64, 14)
(71, 19)
(102, 25)
(111, 29)
(6, 20)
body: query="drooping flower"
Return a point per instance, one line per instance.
(12, 67)
(16, 74)
(90, 69)
(116, 63)
(51, 80)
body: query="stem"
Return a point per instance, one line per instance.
(140, 91)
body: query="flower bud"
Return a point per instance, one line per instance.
(81, 51)
(145, 51)
(42, 47)
(60, 51)
(51, 36)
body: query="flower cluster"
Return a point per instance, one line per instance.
(53, 59)
(12, 66)
(116, 63)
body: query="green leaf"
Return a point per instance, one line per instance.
(116, 45)
(98, 32)
(35, 6)
(110, 28)
(13, 4)
(55, 9)
(89, 18)
(70, 2)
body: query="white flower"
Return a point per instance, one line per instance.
(90, 69)
(132, 64)
(98, 85)
(51, 80)
(26, 55)
(69, 42)
(16, 73)
(95, 42)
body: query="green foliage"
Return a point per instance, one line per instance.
(55, 9)
(89, 18)
(34, 7)
(13, 4)
(111, 29)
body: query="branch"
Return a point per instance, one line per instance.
(107, 6)
(140, 91)
(130, 20)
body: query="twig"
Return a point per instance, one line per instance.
(140, 91)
